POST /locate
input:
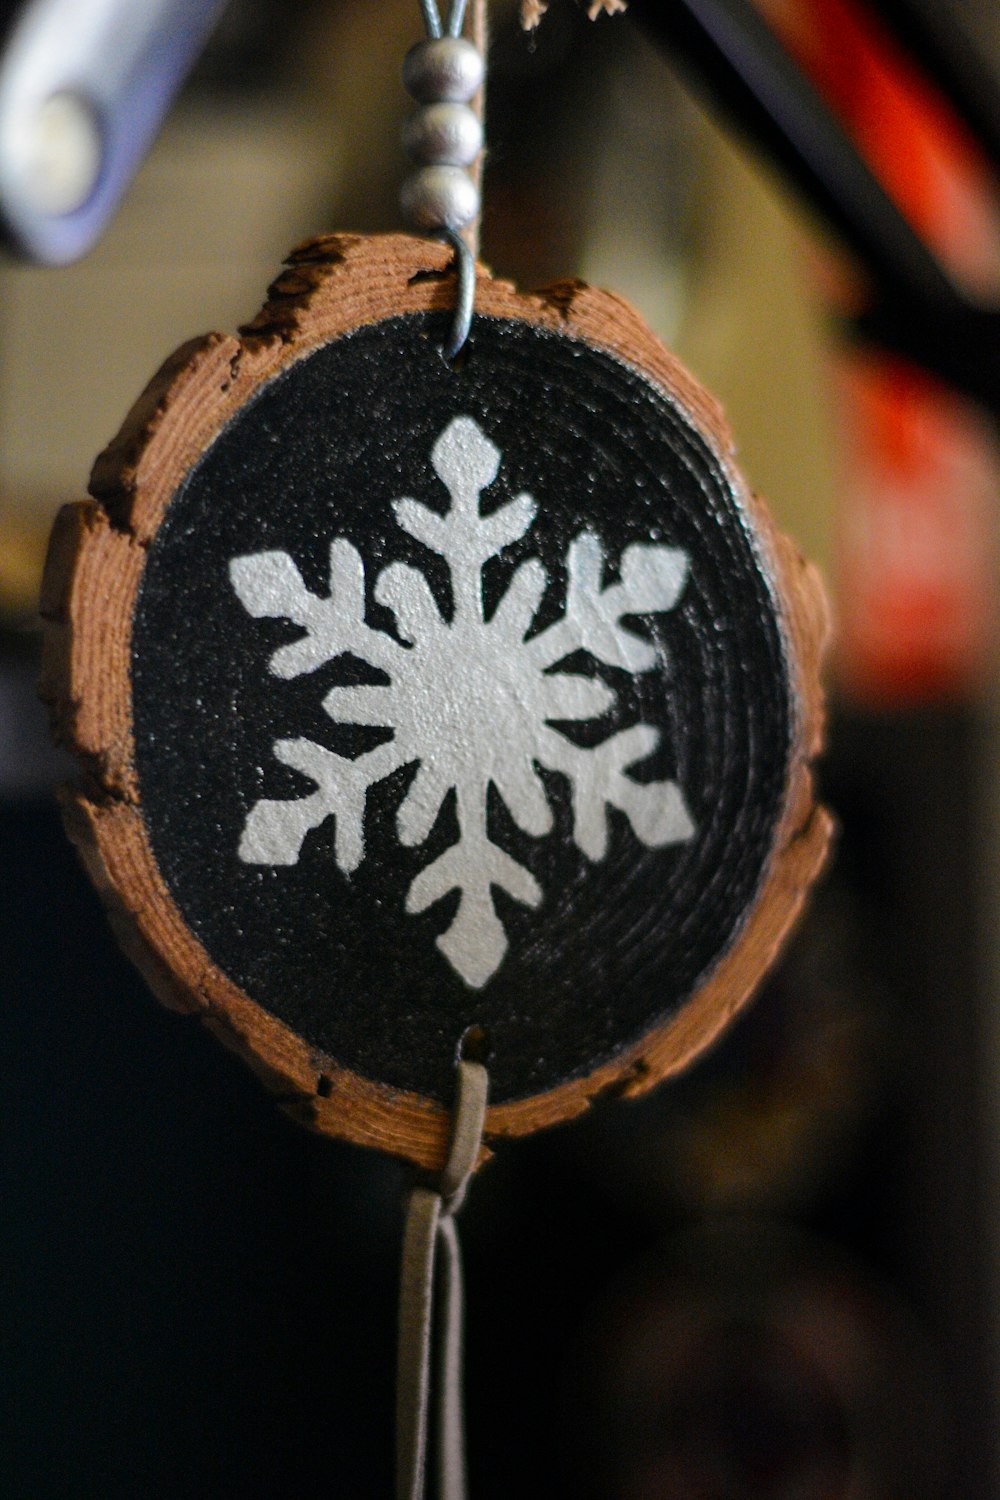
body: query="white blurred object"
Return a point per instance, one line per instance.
(84, 86)
(220, 201)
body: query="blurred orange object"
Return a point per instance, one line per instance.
(915, 564)
(915, 582)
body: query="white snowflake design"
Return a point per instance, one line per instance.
(473, 701)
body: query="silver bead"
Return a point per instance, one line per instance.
(443, 135)
(439, 198)
(446, 70)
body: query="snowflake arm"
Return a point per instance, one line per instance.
(421, 805)
(275, 830)
(370, 706)
(475, 942)
(520, 786)
(407, 593)
(517, 609)
(466, 462)
(269, 585)
(652, 580)
(563, 695)
(655, 809)
(465, 540)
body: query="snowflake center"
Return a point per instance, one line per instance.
(468, 687)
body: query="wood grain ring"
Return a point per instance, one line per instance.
(330, 286)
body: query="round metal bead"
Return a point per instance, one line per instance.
(439, 198)
(443, 135)
(446, 70)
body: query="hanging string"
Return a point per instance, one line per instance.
(479, 36)
(445, 74)
(430, 1349)
(432, 18)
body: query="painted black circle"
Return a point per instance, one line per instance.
(616, 946)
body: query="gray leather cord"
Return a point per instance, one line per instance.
(431, 1252)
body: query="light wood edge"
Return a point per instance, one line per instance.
(330, 286)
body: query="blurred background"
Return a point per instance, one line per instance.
(776, 1279)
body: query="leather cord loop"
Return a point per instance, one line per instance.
(430, 1340)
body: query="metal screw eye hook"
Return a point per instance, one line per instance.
(462, 320)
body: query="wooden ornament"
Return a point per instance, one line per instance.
(416, 701)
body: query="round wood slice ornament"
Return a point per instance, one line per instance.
(417, 700)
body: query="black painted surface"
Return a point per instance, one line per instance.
(616, 946)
